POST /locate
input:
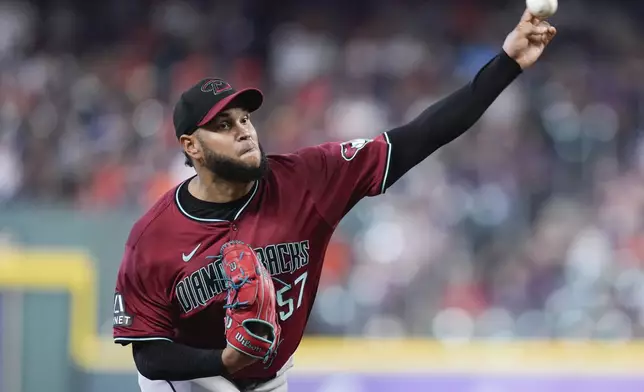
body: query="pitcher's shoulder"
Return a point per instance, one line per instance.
(296, 161)
(155, 220)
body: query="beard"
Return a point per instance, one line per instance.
(235, 170)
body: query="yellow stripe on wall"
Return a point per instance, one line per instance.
(73, 271)
(69, 271)
(423, 355)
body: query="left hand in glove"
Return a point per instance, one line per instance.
(251, 321)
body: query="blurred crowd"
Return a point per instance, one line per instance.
(529, 226)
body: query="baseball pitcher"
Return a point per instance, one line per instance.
(219, 277)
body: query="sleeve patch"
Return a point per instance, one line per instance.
(121, 318)
(350, 149)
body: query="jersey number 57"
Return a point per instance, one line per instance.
(285, 297)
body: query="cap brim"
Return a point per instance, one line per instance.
(250, 99)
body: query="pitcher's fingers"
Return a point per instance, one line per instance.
(550, 34)
(530, 29)
(528, 17)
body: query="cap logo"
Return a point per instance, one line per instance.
(216, 86)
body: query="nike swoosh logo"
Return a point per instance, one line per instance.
(187, 258)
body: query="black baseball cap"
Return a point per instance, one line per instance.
(199, 104)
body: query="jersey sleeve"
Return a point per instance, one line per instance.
(142, 310)
(339, 174)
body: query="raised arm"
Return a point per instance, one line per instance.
(450, 117)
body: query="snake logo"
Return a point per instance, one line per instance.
(216, 86)
(350, 149)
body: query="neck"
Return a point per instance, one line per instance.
(207, 187)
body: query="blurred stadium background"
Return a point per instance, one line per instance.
(512, 259)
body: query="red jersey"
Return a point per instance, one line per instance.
(169, 284)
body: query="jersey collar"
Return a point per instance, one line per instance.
(237, 215)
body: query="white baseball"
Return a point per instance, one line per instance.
(542, 8)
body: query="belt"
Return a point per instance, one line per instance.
(248, 384)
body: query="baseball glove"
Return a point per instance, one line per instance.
(251, 318)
